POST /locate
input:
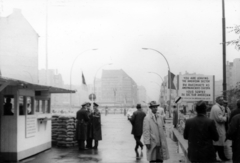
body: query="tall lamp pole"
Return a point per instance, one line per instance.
(71, 73)
(169, 74)
(224, 51)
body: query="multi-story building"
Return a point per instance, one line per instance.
(118, 89)
(19, 48)
(232, 73)
(142, 94)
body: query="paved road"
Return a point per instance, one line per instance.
(117, 147)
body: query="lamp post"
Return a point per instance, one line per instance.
(96, 75)
(71, 73)
(169, 74)
(224, 51)
(157, 75)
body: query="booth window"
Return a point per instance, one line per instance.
(30, 110)
(47, 106)
(36, 106)
(8, 105)
(21, 104)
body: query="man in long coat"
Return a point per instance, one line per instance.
(89, 128)
(175, 116)
(96, 125)
(137, 126)
(154, 135)
(81, 129)
(200, 132)
(233, 134)
(218, 115)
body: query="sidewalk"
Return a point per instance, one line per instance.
(117, 146)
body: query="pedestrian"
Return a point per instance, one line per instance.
(200, 132)
(227, 112)
(106, 110)
(235, 111)
(81, 129)
(233, 134)
(137, 127)
(154, 135)
(219, 116)
(89, 130)
(175, 116)
(161, 112)
(96, 125)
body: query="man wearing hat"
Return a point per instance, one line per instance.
(96, 125)
(137, 126)
(154, 135)
(82, 122)
(219, 115)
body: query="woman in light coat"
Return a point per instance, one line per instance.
(154, 135)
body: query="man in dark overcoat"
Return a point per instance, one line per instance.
(233, 134)
(137, 126)
(81, 129)
(89, 128)
(96, 125)
(200, 132)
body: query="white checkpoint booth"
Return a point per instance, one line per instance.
(25, 118)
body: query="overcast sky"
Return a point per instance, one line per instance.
(187, 32)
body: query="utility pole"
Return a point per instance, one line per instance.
(224, 51)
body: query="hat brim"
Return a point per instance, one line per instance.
(152, 106)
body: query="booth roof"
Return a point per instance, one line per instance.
(4, 82)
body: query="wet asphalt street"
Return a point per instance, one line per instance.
(117, 146)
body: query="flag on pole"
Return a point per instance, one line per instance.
(170, 82)
(84, 85)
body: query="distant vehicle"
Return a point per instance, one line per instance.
(130, 112)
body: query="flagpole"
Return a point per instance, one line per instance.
(169, 75)
(71, 74)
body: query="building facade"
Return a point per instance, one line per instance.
(19, 48)
(142, 95)
(118, 89)
(232, 73)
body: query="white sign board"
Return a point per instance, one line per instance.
(31, 125)
(196, 87)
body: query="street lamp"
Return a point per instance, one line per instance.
(157, 75)
(96, 75)
(169, 74)
(71, 73)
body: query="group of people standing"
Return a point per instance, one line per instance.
(151, 126)
(208, 136)
(88, 126)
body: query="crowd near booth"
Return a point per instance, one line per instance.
(25, 118)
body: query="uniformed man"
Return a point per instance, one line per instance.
(82, 122)
(96, 123)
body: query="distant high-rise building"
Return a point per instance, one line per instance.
(233, 73)
(142, 95)
(118, 89)
(19, 48)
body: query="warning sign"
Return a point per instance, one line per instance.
(196, 87)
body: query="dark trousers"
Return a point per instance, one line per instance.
(220, 151)
(156, 161)
(81, 144)
(89, 143)
(95, 144)
(138, 142)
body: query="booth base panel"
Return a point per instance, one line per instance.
(16, 156)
